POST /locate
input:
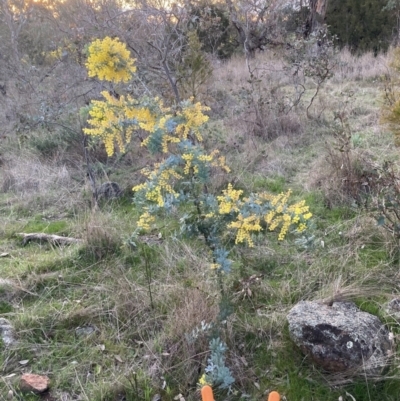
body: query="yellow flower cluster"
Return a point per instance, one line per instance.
(188, 157)
(285, 215)
(158, 184)
(105, 118)
(108, 115)
(145, 221)
(193, 161)
(110, 60)
(114, 121)
(203, 381)
(193, 119)
(144, 116)
(300, 210)
(167, 139)
(280, 215)
(246, 226)
(284, 220)
(230, 200)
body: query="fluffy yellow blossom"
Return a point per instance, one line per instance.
(229, 201)
(155, 195)
(269, 216)
(168, 139)
(203, 381)
(284, 215)
(193, 119)
(221, 162)
(147, 120)
(145, 221)
(286, 219)
(108, 119)
(139, 187)
(246, 226)
(160, 184)
(105, 121)
(205, 158)
(110, 60)
(301, 227)
(188, 157)
(281, 199)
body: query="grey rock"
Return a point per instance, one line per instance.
(393, 308)
(7, 332)
(109, 190)
(84, 331)
(340, 337)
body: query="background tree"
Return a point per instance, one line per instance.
(257, 23)
(361, 25)
(315, 15)
(195, 69)
(215, 32)
(394, 7)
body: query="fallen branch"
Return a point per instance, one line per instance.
(52, 239)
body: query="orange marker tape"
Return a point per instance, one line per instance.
(207, 393)
(274, 396)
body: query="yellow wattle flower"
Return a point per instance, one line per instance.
(110, 60)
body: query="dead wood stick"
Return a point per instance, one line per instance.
(52, 239)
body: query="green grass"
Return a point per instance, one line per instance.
(53, 227)
(274, 185)
(65, 289)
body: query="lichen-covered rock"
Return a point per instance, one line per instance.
(393, 308)
(340, 337)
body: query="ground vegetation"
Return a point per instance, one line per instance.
(261, 178)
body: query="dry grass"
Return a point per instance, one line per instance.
(228, 75)
(256, 97)
(366, 67)
(101, 236)
(343, 179)
(34, 184)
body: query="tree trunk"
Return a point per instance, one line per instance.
(316, 15)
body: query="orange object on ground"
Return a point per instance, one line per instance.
(207, 393)
(274, 396)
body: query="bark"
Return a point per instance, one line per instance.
(316, 16)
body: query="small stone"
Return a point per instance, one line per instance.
(84, 331)
(35, 383)
(6, 332)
